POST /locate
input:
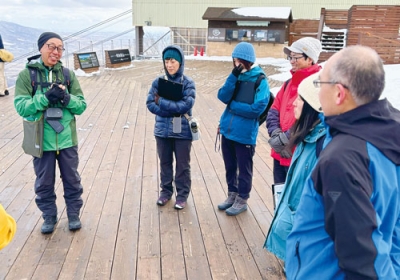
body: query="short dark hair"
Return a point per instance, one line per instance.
(307, 120)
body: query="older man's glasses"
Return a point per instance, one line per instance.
(53, 47)
(318, 83)
(295, 58)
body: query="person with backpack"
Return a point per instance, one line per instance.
(307, 135)
(57, 98)
(303, 56)
(239, 125)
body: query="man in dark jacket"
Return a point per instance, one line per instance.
(347, 224)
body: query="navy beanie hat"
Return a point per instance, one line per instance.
(244, 51)
(173, 53)
(45, 37)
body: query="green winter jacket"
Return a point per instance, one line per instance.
(33, 107)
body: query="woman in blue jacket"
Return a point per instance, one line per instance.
(172, 129)
(307, 133)
(239, 125)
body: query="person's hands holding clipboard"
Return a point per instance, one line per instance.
(169, 90)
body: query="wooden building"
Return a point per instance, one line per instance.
(264, 27)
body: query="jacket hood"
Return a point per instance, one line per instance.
(36, 62)
(179, 73)
(377, 122)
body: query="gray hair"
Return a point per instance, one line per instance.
(360, 69)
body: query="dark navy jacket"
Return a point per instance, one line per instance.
(166, 109)
(347, 224)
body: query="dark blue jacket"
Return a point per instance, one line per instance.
(347, 224)
(166, 109)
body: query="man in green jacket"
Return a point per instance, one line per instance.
(60, 141)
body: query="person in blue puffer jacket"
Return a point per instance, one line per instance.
(170, 141)
(307, 135)
(239, 125)
(347, 223)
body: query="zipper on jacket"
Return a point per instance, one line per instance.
(297, 254)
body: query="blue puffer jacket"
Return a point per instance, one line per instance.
(347, 224)
(239, 122)
(303, 162)
(166, 109)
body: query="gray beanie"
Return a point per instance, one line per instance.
(307, 45)
(45, 37)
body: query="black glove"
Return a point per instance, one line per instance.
(278, 140)
(54, 94)
(237, 70)
(65, 100)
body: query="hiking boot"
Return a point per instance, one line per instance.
(179, 205)
(239, 206)
(162, 200)
(74, 223)
(49, 224)
(228, 202)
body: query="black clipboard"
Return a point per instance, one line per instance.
(170, 90)
(245, 92)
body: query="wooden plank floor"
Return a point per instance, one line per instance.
(125, 235)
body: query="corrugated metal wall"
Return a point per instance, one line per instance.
(188, 13)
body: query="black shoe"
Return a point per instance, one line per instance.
(162, 200)
(74, 223)
(49, 224)
(6, 92)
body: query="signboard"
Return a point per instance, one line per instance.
(118, 56)
(216, 34)
(260, 35)
(275, 36)
(88, 60)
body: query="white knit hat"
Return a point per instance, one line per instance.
(309, 92)
(307, 45)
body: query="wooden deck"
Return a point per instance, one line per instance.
(125, 235)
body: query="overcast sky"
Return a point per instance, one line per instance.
(66, 15)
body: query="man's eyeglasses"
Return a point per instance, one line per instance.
(317, 83)
(295, 58)
(53, 47)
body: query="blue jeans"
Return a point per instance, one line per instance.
(238, 156)
(166, 148)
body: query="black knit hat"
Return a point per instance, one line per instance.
(45, 37)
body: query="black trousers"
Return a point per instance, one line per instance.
(167, 148)
(238, 157)
(280, 172)
(45, 170)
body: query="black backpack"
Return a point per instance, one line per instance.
(35, 83)
(263, 117)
